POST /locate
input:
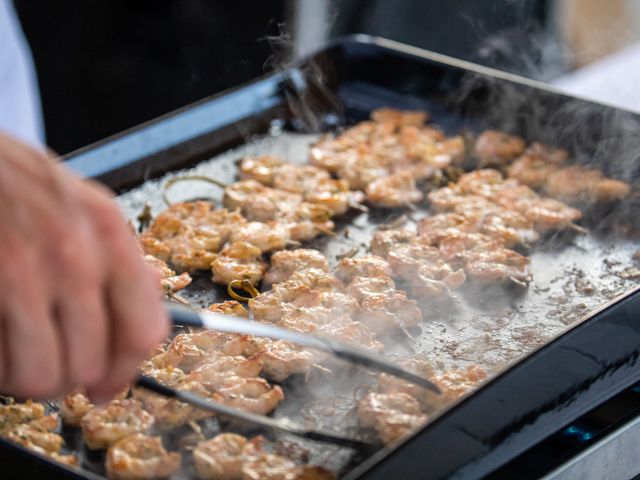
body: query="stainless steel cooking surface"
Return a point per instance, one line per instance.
(572, 273)
(493, 327)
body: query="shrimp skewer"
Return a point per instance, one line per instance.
(104, 426)
(140, 457)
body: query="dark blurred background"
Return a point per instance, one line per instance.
(106, 65)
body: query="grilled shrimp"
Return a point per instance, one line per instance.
(307, 221)
(397, 190)
(275, 467)
(335, 195)
(103, 426)
(26, 424)
(428, 151)
(483, 182)
(548, 214)
(259, 203)
(189, 234)
(449, 198)
(391, 384)
(167, 374)
(485, 259)
(327, 153)
(238, 261)
(217, 366)
(254, 395)
(282, 359)
(364, 287)
(285, 263)
(230, 307)
(497, 266)
(537, 164)
(399, 117)
(316, 279)
(367, 266)
(406, 258)
(267, 236)
(454, 246)
(410, 136)
(386, 241)
(222, 457)
(169, 412)
(171, 281)
(140, 457)
(312, 472)
(439, 226)
(37, 433)
(261, 169)
(307, 319)
(493, 148)
(577, 184)
(333, 153)
(382, 307)
(271, 305)
(354, 333)
(362, 170)
(188, 350)
(385, 312)
(299, 178)
(506, 226)
(434, 280)
(73, 407)
(268, 466)
(456, 383)
(557, 156)
(391, 415)
(532, 170)
(16, 413)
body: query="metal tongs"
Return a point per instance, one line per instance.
(182, 316)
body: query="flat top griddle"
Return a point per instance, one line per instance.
(491, 327)
(530, 395)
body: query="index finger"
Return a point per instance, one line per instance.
(137, 320)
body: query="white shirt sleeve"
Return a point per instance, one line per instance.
(20, 112)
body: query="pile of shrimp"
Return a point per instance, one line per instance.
(482, 218)
(546, 169)
(254, 240)
(231, 456)
(388, 155)
(355, 303)
(226, 368)
(488, 190)
(257, 220)
(394, 408)
(26, 424)
(170, 281)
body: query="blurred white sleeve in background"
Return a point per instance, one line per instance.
(20, 111)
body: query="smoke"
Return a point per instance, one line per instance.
(311, 101)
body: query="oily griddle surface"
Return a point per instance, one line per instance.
(491, 327)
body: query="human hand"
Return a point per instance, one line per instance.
(78, 305)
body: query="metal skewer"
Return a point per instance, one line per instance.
(232, 324)
(220, 409)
